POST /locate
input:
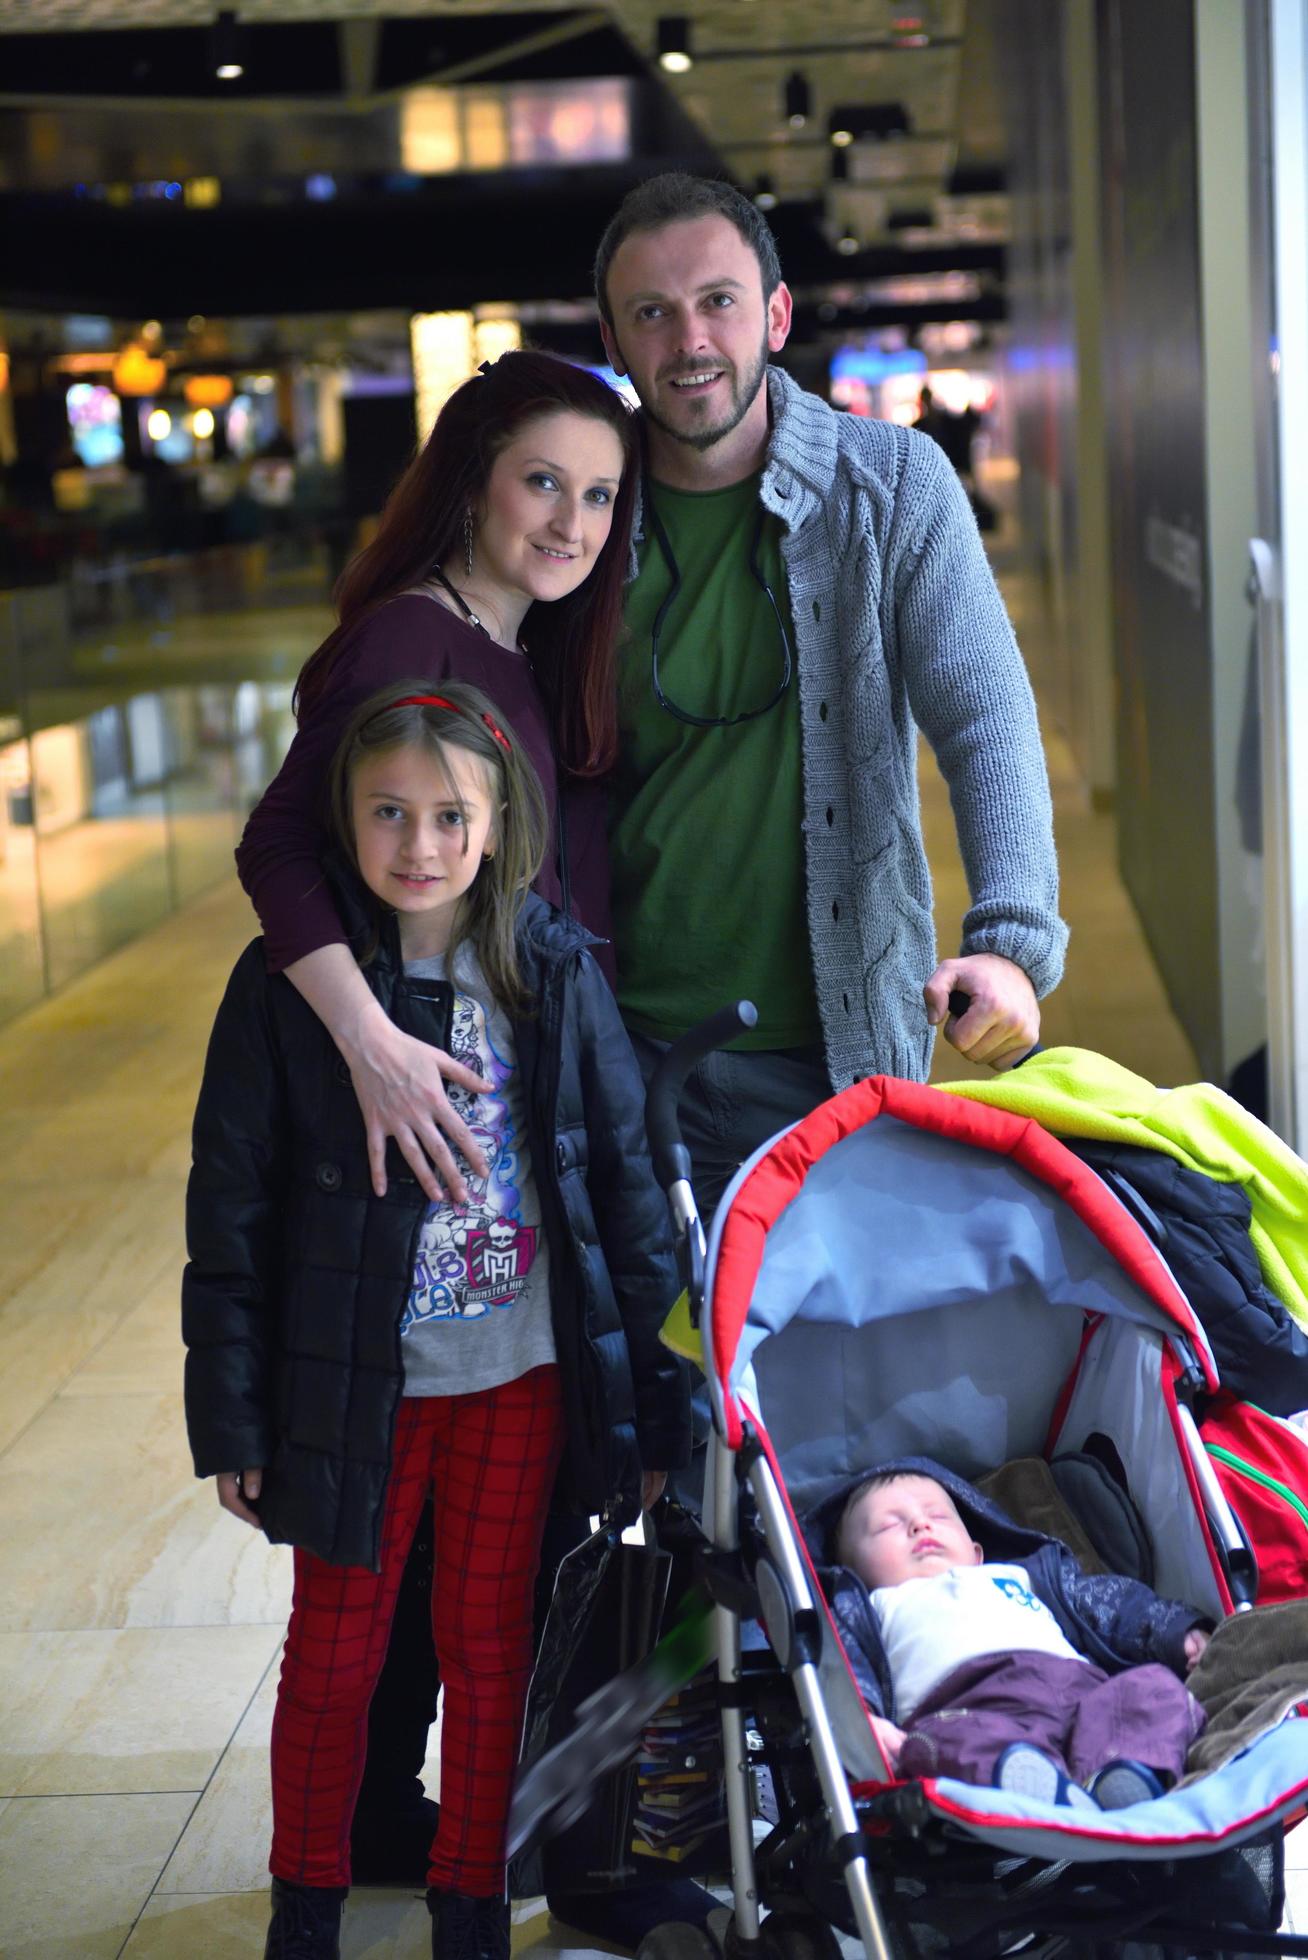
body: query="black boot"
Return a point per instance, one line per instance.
(467, 1929)
(306, 1921)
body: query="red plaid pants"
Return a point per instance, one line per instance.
(489, 1460)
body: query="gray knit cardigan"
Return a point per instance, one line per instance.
(899, 625)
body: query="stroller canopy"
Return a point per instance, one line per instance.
(895, 1226)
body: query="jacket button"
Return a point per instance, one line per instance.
(328, 1177)
(561, 1155)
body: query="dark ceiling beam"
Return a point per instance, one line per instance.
(420, 253)
(789, 141)
(527, 45)
(806, 50)
(814, 322)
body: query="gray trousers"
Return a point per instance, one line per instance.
(734, 1102)
(730, 1105)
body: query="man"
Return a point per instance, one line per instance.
(809, 587)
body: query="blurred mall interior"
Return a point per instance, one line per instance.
(244, 257)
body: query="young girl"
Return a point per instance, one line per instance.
(348, 1354)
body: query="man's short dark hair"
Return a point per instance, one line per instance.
(672, 199)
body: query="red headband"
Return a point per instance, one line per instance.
(439, 701)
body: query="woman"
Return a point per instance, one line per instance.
(488, 567)
(499, 560)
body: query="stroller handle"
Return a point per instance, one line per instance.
(670, 1155)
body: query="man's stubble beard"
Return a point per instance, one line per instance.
(743, 401)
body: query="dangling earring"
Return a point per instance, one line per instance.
(467, 538)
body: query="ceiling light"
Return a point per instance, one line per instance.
(672, 42)
(202, 423)
(842, 138)
(227, 63)
(137, 372)
(159, 425)
(764, 195)
(798, 100)
(847, 244)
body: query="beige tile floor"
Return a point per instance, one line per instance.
(139, 1626)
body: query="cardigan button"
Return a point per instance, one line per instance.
(328, 1177)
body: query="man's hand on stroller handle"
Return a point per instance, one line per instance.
(1002, 1021)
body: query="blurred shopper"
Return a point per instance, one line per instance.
(956, 432)
(811, 592)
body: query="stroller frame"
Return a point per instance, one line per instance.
(775, 1581)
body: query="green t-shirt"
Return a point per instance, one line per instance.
(706, 832)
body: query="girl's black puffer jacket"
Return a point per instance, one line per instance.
(298, 1273)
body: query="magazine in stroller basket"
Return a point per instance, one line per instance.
(907, 1274)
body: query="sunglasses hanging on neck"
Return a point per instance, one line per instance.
(661, 695)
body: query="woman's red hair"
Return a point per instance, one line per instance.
(572, 640)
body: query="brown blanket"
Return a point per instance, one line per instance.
(1025, 1488)
(1253, 1672)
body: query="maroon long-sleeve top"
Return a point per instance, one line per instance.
(410, 638)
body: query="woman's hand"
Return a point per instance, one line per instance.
(234, 1487)
(400, 1084)
(652, 1483)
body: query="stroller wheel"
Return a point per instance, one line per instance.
(798, 1936)
(677, 1939)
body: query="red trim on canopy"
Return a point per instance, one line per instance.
(776, 1179)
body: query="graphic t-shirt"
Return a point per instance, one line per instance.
(478, 1311)
(931, 1626)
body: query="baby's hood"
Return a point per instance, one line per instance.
(1000, 1539)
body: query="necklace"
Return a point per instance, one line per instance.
(467, 611)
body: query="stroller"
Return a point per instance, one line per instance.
(904, 1273)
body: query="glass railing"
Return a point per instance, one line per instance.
(138, 725)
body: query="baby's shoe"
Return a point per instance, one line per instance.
(463, 1928)
(1124, 1782)
(1025, 1771)
(306, 1921)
